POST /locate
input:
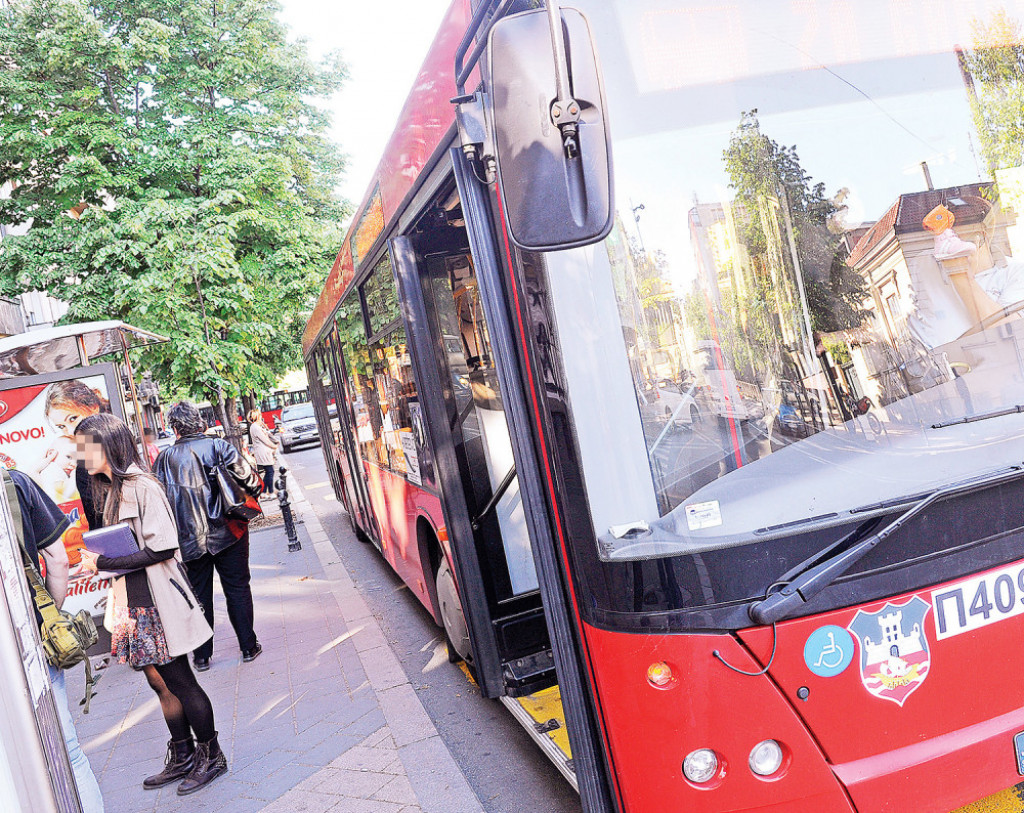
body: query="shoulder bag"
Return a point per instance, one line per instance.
(237, 503)
(65, 637)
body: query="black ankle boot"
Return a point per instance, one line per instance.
(178, 763)
(210, 763)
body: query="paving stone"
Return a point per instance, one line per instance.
(432, 772)
(379, 738)
(360, 758)
(368, 636)
(260, 768)
(367, 806)
(398, 790)
(277, 784)
(382, 668)
(366, 724)
(328, 750)
(304, 801)
(405, 715)
(342, 782)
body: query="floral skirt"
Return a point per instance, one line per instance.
(138, 637)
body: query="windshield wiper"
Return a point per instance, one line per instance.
(981, 416)
(813, 575)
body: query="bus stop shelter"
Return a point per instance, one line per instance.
(68, 347)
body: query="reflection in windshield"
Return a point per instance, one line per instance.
(297, 412)
(811, 300)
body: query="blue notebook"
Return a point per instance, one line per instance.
(113, 540)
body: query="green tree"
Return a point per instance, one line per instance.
(994, 71)
(762, 173)
(173, 160)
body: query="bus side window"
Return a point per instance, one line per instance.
(398, 399)
(359, 370)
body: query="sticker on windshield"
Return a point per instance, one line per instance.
(703, 515)
(828, 651)
(978, 602)
(894, 657)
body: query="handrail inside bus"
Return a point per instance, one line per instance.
(463, 70)
(493, 501)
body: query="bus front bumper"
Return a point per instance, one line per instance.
(965, 764)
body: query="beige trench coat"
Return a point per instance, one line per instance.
(145, 508)
(264, 447)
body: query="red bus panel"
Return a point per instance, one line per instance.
(397, 506)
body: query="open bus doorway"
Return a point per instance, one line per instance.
(466, 424)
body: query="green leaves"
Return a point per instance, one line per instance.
(784, 221)
(995, 64)
(192, 138)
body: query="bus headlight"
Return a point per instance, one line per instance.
(700, 766)
(766, 758)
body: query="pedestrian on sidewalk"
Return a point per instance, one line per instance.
(210, 540)
(152, 450)
(152, 614)
(42, 527)
(264, 450)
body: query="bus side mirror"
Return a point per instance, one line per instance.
(547, 117)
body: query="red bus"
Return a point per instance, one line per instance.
(691, 398)
(272, 404)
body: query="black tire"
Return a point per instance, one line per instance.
(453, 618)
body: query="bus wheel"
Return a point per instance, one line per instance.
(455, 629)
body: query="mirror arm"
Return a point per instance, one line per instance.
(470, 116)
(565, 110)
(464, 67)
(475, 135)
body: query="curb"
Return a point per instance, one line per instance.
(436, 778)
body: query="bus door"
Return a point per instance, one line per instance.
(467, 428)
(348, 464)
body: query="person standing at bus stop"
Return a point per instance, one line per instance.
(209, 540)
(153, 617)
(264, 450)
(43, 525)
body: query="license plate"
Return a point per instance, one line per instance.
(1018, 748)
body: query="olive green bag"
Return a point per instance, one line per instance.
(66, 638)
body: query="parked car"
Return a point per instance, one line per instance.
(678, 402)
(297, 425)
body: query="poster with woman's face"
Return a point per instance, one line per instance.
(38, 416)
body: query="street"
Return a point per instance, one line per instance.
(502, 764)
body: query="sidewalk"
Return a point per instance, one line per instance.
(324, 720)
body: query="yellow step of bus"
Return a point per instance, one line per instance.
(542, 716)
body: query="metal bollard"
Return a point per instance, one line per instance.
(286, 511)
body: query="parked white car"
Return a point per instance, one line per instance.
(297, 424)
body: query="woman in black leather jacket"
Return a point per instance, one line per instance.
(208, 539)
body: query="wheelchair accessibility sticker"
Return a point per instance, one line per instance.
(828, 651)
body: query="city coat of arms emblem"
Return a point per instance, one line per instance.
(894, 657)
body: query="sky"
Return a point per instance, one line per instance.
(384, 44)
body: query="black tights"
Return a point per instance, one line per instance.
(185, 705)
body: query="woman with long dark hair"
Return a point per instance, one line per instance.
(152, 614)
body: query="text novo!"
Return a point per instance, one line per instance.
(19, 435)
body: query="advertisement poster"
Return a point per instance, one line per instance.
(38, 416)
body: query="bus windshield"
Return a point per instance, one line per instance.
(811, 299)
